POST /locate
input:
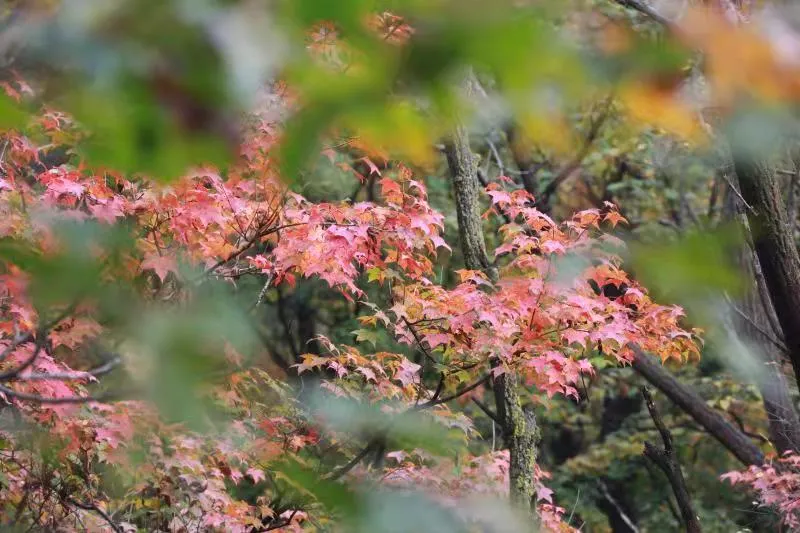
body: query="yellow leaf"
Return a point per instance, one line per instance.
(739, 61)
(656, 107)
(398, 128)
(549, 130)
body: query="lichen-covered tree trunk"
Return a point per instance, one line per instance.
(521, 437)
(464, 175)
(519, 429)
(775, 247)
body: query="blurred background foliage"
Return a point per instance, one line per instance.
(161, 84)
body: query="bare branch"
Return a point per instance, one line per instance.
(569, 168)
(93, 507)
(488, 412)
(607, 495)
(766, 334)
(665, 460)
(645, 9)
(101, 370)
(59, 401)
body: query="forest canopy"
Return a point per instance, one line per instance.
(399, 266)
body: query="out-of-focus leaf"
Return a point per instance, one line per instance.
(74, 270)
(334, 496)
(12, 115)
(693, 271)
(754, 132)
(132, 132)
(404, 431)
(187, 350)
(406, 512)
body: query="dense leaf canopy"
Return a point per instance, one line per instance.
(399, 266)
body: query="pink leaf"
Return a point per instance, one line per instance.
(256, 474)
(161, 265)
(407, 372)
(373, 168)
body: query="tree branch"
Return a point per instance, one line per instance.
(625, 518)
(665, 460)
(645, 9)
(695, 406)
(433, 402)
(344, 469)
(93, 507)
(569, 168)
(488, 412)
(60, 401)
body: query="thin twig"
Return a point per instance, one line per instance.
(575, 506)
(376, 441)
(281, 523)
(645, 9)
(778, 343)
(736, 192)
(576, 161)
(263, 291)
(418, 339)
(607, 495)
(247, 245)
(485, 408)
(496, 155)
(455, 395)
(75, 375)
(59, 401)
(97, 510)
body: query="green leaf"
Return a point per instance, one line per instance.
(334, 496)
(12, 116)
(694, 271)
(366, 335)
(132, 132)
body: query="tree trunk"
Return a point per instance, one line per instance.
(464, 174)
(731, 438)
(760, 329)
(520, 434)
(775, 247)
(783, 422)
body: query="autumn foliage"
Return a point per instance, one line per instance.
(246, 223)
(100, 268)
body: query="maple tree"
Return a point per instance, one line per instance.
(144, 386)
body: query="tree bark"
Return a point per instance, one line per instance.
(520, 433)
(760, 329)
(783, 422)
(731, 438)
(775, 247)
(521, 436)
(464, 175)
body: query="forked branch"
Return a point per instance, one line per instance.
(665, 460)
